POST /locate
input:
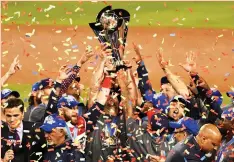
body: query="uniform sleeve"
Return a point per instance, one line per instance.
(38, 144)
(78, 156)
(145, 86)
(53, 100)
(66, 82)
(92, 116)
(174, 156)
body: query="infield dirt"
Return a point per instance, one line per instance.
(214, 48)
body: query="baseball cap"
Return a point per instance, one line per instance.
(159, 121)
(7, 92)
(42, 84)
(164, 80)
(181, 99)
(189, 124)
(228, 114)
(67, 101)
(229, 94)
(217, 93)
(36, 86)
(51, 122)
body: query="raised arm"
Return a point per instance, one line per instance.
(97, 108)
(98, 75)
(84, 58)
(179, 86)
(64, 73)
(15, 66)
(132, 89)
(122, 79)
(144, 85)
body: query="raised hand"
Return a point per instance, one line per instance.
(137, 58)
(15, 66)
(160, 58)
(86, 56)
(104, 52)
(122, 78)
(127, 63)
(9, 155)
(64, 72)
(190, 65)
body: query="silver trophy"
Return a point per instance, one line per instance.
(111, 27)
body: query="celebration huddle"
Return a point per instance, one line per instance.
(124, 117)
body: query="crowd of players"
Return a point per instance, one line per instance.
(124, 118)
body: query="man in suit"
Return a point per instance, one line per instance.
(21, 141)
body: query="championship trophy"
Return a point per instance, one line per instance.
(111, 28)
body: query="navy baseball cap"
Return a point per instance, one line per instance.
(36, 86)
(51, 122)
(189, 124)
(217, 93)
(67, 101)
(158, 122)
(7, 92)
(181, 99)
(228, 114)
(229, 94)
(48, 82)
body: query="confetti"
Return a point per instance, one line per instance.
(175, 19)
(76, 50)
(56, 49)
(9, 18)
(162, 40)
(58, 31)
(70, 20)
(77, 9)
(74, 46)
(5, 52)
(140, 47)
(220, 36)
(138, 8)
(66, 44)
(33, 46)
(40, 66)
(5, 85)
(30, 34)
(155, 35)
(73, 58)
(227, 74)
(49, 8)
(17, 13)
(172, 34)
(89, 37)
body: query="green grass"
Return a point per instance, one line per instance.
(220, 14)
(25, 89)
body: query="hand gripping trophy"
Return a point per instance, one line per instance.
(111, 27)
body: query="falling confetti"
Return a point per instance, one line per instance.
(40, 66)
(172, 34)
(162, 40)
(138, 8)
